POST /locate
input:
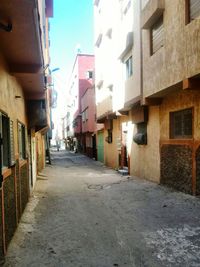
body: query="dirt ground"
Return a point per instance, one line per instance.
(83, 214)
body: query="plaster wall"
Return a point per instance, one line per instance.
(179, 58)
(9, 88)
(175, 102)
(145, 159)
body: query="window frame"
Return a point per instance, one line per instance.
(188, 18)
(152, 52)
(172, 129)
(129, 66)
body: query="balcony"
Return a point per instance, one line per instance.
(151, 12)
(37, 114)
(22, 47)
(104, 108)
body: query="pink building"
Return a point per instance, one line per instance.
(81, 81)
(88, 111)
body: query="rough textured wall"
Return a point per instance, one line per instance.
(145, 159)
(176, 167)
(110, 150)
(9, 208)
(1, 229)
(198, 172)
(24, 186)
(40, 154)
(9, 88)
(178, 101)
(180, 56)
(18, 181)
(174, 156)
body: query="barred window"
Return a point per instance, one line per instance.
(192, 9)
(181, 124)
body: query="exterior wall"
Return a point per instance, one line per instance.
(77, 87)
(179, 169)
(179, 58)
(88, 102)
(145, 159)
(40, 148)
(111, 152)
(15, 186)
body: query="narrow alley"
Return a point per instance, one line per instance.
(85, 214)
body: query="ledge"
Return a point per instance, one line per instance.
(151, 12)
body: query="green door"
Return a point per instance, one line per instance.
(100, 147)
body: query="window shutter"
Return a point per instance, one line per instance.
(194, 9)
(157, 35)
(12, 147)
(6, 140)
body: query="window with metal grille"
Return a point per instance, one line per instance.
(192, 10)
(7, 141)
(157, 35)
(12, 145)
(181, 124)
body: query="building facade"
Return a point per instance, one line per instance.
(170, 89)
(148, 99)
(81, 81)
(24, 107)
(118, 85)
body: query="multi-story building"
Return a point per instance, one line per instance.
(118, 79)
(150, 109)
(80, 81)
(88, 111)
(171, 71)
(24, 105)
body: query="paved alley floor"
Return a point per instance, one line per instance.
(83, 214)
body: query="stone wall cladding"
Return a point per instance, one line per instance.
(1, 229)
(9, 208)
(176, 167)
(18, 190)
(24, 186)
(198, 172)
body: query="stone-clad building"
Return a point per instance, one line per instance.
(24, 105)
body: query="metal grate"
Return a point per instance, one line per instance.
(194, 9)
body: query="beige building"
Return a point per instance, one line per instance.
(171, 68)
(147, 81)
(24, 106)
(118, 78)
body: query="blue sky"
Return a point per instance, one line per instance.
(71, 25)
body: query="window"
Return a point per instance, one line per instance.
(157, 36)
(192, 10)
(89, 74)
(129, 67)
(181, 124)
(22, 140)
(12, 145)
(7, 141)
(85, 115)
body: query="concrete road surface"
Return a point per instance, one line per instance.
(83, 214)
